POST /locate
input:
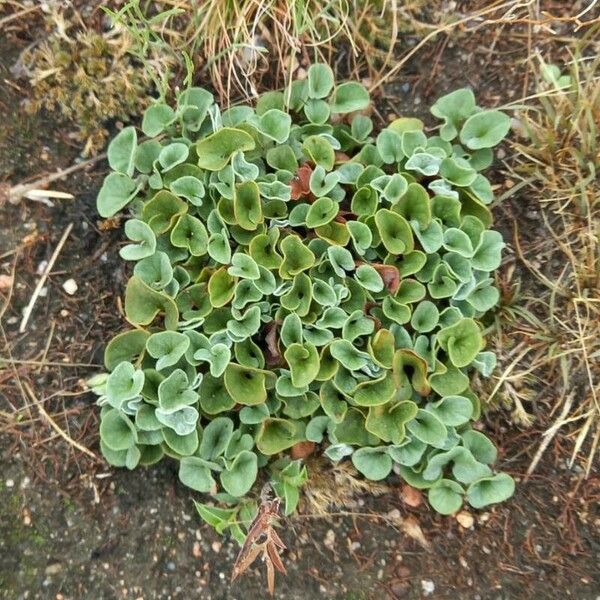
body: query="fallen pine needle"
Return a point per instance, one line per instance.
(43, 278)
(56, 428)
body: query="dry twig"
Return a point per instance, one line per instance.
(43, 278)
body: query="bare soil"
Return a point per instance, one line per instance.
(71, 528)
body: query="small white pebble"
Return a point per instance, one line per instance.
(329, 541)
(10, 483)
(465, 519)
(428, 587)
(41, 267)
(70, 286)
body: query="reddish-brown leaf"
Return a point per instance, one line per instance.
(275, 558)
(302, 450)
(300, 182)
(273, 354)
(390, 276)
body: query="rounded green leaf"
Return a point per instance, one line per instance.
(190, 233)
(454, 108)
(143, 304)
(428, 428)
(296, 257)
(189, 187)
(321, 212)
(214, 398)
(215, 150)
(182, 421)
(276, 435)
(445, 496)
(117, 432)
(320, 151)
(273, 124)
(215, 438)
(195, 474)
(174, 392)
(425, 317)
(125, 346)
(121, 151)
(124, 383)
(369, 278)
(245, 385)
(247, 205)
(480, 446)
(157, 118)
(490, 490)
(243, 266)
(395, 232)
(349, 97)
(182, 445)
(303, 362)
(138, 231)
(116, 192)
(349, 356)
(172, 155)
(221, 287)
(167, 347)
(374, 463)
(376, 391)
(388, 422)
(238, 478)
(453, 410)
(485, 129)
(320, 80)
(462, 341)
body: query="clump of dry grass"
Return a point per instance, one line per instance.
(334, 486)
(549, 346)
(241, 47)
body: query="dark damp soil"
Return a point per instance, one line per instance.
(72, 529)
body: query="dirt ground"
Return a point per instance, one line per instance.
(73, 529)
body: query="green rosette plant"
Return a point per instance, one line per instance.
(299, 279)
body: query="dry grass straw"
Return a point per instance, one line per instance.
(245, 46)
(549, 346)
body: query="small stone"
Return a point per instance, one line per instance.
(427, 586)
(196, 550)
(329, 540)
(465, 519)
(403, 572)
(53, 569)
(216, 546)
(10, 483)
(6, 282)
(394, 514)
(41, 267)
(70, 286)
(170, 566)
(411, 496)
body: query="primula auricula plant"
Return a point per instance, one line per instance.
(299, 277)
